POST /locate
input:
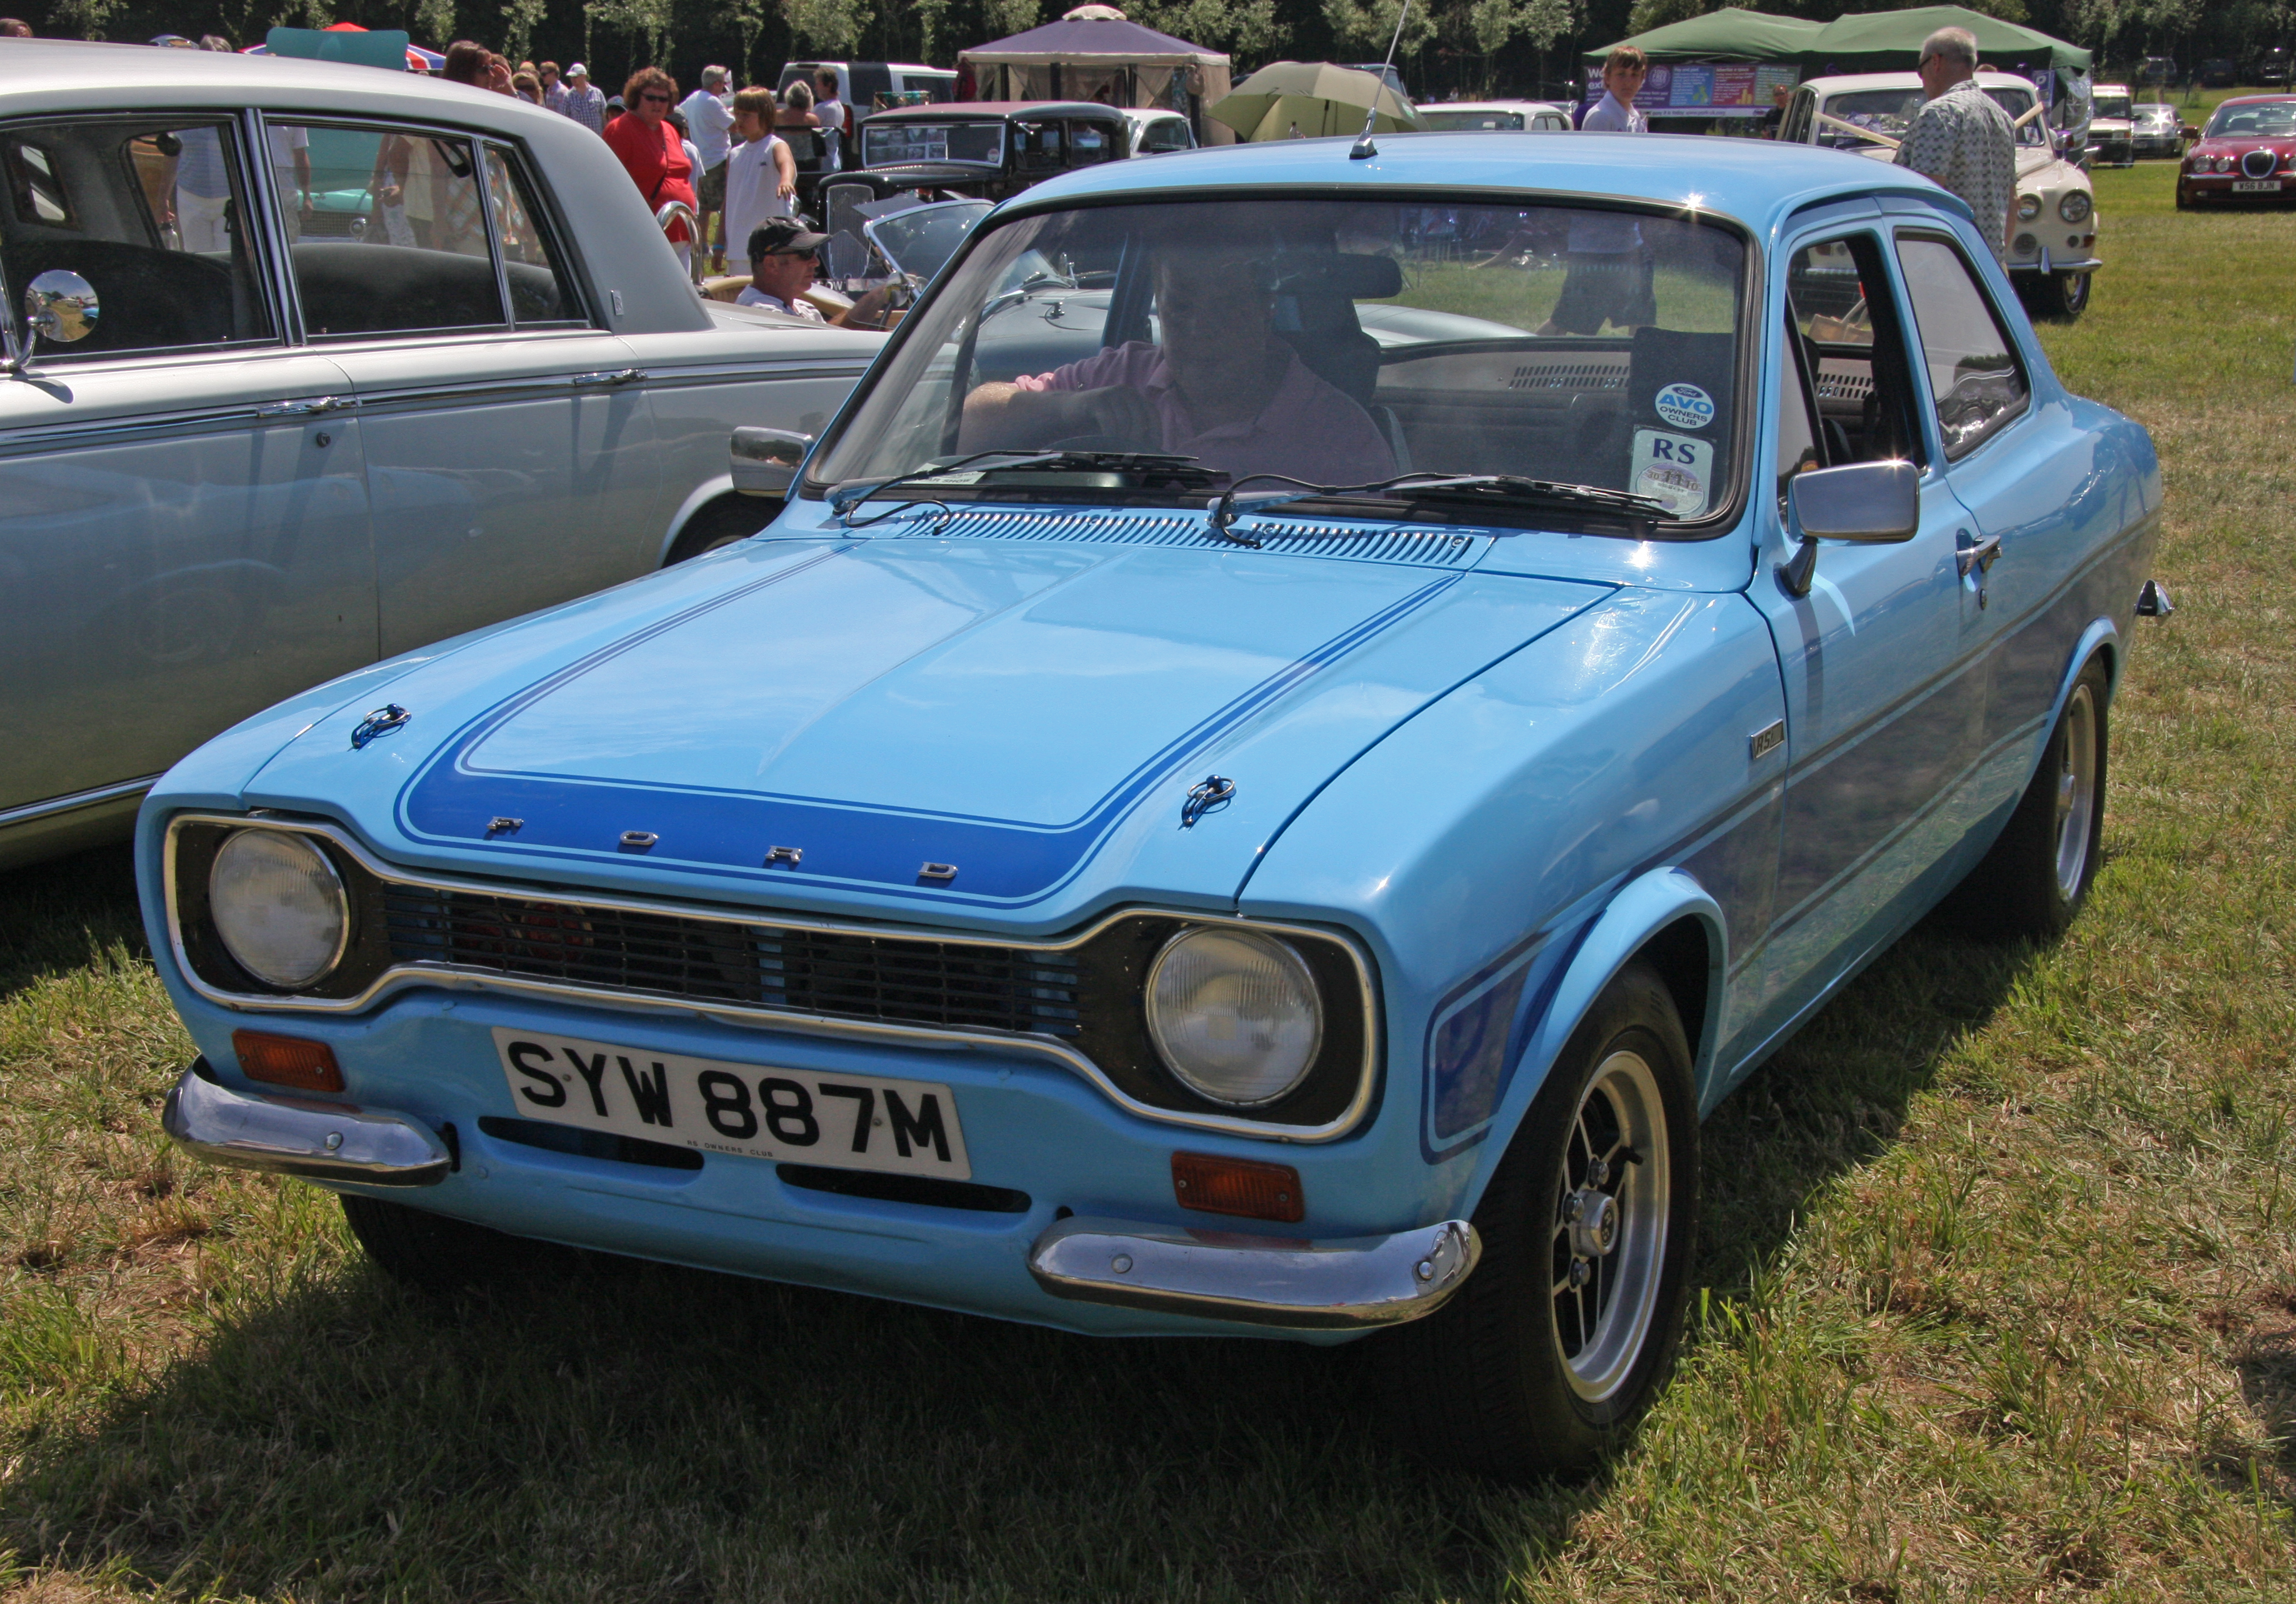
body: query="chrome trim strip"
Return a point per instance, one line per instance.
(301, 1135)
(1343, 1284)
(74, 800)
(698, 376)
(401, 977)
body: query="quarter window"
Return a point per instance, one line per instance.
(149, 212)
(1975, 380)
(388, 230)
(539, 294)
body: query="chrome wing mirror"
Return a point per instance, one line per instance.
(1866, 503)
(60, 307)
(766, 460)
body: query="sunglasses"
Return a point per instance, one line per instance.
(657, 95)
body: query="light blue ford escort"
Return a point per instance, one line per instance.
(1318, 708)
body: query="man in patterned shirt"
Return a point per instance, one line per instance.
(1962, 137)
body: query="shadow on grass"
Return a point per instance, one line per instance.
(54, 915)
(602, 1428)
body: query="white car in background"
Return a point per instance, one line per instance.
(309, 365)
(1494, 116)
(1155, 131)
(2053, 244)
(2111, 126)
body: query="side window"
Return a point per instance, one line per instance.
(149, 212)
(1974, 377)
(1797, 419)
(1800, 113)
(388, 229)
(540, 295)
(1839, 306)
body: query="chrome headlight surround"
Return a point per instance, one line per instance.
(2028, 207)
(2075, 205)
(279, 906)
(1110, 957)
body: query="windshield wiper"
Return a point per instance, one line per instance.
(1472, 489)
(1181, 471)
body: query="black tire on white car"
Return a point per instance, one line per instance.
(1548, 1358)
(2055, 295)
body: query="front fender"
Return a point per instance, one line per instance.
(1626, 924)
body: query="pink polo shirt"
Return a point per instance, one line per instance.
(1309, 429)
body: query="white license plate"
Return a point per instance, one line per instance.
(2255, 186)
(793, 1115)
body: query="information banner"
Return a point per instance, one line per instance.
(1705, 89)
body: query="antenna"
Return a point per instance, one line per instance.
(1364, 149)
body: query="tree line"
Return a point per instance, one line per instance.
(1448, 47)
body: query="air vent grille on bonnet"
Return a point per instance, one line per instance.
(1420, 548)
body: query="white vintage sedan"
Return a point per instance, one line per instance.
(2053, 245)
(309, 365)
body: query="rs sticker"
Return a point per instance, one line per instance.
(1684, 406)
(1672, 469)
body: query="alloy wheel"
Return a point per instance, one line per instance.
(1610, 1227)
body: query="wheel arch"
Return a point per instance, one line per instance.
(1664, 917)
(704, 494)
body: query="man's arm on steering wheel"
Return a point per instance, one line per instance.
(1001, 416)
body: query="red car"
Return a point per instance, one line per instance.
(2247, 152)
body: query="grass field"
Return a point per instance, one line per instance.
(1999, 1292)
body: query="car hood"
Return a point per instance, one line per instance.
(991, 732)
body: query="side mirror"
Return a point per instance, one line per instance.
(766, 460)
(1866, 503)
(60, 307)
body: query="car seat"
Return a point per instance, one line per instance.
(1315, 315)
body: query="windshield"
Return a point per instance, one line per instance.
(2156, 116)
(2274, 119)
(899, 144)
(1334, 342)
(1437, 121)
(2110, 105)
(921, 242)
(1890, 111)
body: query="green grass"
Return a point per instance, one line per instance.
(2000, 1295)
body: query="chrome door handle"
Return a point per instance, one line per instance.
(305, 409)
(623, 375)
(1981, 555)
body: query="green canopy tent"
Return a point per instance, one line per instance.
(1729, 34)
(1724, 64)
(1890, 41)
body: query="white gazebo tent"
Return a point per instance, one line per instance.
(1094, 54)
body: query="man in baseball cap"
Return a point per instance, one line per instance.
(781, 267)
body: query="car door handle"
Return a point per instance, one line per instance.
(317, 404)
(1981, 555)
(622, 375)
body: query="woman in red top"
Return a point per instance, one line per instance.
(651, 152)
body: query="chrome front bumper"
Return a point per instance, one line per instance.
(1352, 1283)
(301, 1136)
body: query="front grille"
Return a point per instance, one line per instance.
(898, 980)
(2259, 163)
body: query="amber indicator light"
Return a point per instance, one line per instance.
(287, 1061)
(1238, 1185)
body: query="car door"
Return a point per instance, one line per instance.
(508, 440)
(183, 532)
(1883, 714)
(2021, 474)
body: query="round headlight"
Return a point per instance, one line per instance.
(279, 905)
(2028, 207)
(1234, 1013)
(2073, 205)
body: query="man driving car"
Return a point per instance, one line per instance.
(1223, 386)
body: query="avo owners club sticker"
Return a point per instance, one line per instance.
(1672, 469)
(1684, 406)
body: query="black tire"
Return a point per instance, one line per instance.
(1488, 1383)
(2031, 884)
(2055, 294)
(721, 522)
(431, 1253)
(2183, 200)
